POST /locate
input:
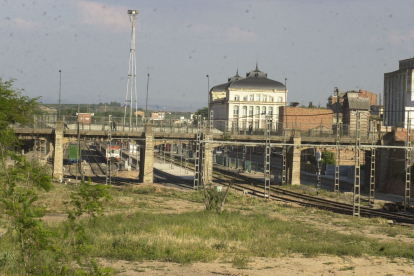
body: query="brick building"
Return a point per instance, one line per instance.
(306, 119)
(372, 97)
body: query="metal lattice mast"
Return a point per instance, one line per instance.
(337, 160)
(267, 158)
(203, 172)
(408, 165)
(186, 159)
(284, 153)
(372, 175)
(197, 157)
(244, 157)
(357, 175)
(132, 73)
(171, 156)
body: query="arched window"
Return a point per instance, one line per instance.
(250, 110)
(244, 110)
(236, 110)
(257, 110)
(270, 110)
(264, 110)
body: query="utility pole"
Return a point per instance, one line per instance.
(78, 149)
(60, 90)
(146, 105)
(285, 93)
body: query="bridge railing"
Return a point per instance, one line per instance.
(223, 127)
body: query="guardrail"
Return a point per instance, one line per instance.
(218, 127)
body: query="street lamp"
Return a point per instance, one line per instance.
(208, 95)
(285, 93)
(146, 105)
(60, 89)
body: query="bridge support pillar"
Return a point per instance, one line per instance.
(146, 163)
(294, 160)
(58, 158)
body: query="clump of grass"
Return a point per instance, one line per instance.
(346, 268)
(241, 262)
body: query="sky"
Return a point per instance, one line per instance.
(316, 45)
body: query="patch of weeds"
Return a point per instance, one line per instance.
(139, 270)
(144, 190)
(220, 246)
(346, 268)
(328, 263)
(240, 262)
(142, 204)
(409, 235)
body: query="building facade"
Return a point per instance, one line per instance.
(242, 102)
(306, 120)
(399, 94)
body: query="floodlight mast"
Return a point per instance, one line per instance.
(132, 73)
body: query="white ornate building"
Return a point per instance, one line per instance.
(246, 101)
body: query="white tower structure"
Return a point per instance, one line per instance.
(132, 74)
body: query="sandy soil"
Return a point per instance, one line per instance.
(296, 265)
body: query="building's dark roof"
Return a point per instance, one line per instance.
(255, 79)
(220, 87)
(236, 77)
(358, 103)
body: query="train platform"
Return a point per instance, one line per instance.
(173, 169)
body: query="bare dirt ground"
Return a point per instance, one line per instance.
(294, 265)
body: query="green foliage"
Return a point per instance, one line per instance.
(18, 192)
(86, 200)
(226, 137)
(203, 112)
(30, 248)
(328, 158)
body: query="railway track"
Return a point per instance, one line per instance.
(223, 177)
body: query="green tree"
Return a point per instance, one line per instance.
(19, 184)
(328, 158)
(203, 112)
(37, 248)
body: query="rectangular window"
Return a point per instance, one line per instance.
(251, 98)
(257, 97)
(236, 110)
(251, 110)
